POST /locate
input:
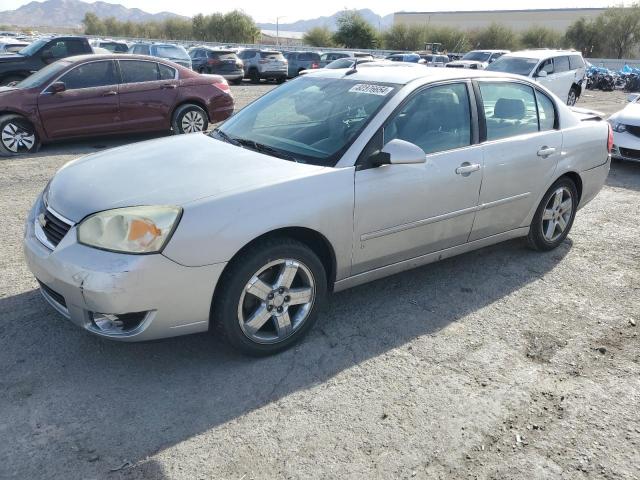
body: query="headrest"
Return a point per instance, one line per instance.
(509, 109)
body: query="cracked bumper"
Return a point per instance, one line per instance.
(177, 299)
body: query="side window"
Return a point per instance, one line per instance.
(509, 109)
(89, 75)
(166, 72)
(547, 66)
(57, 49)
(436, 119)
(575, 62)
(135, 49)
(546, 112)
(75, 47)
(138, 71)
(561, 64)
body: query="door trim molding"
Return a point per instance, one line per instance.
(438, 218)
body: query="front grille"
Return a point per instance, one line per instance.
(54, 228)
(53, 294)
(633, 130)
(630, 153)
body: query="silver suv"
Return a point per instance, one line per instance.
(267, 64)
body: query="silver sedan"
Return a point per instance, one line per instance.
(327, 182)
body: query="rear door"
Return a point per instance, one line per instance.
(89, 105)
(521, 151)
(564, 77)
(147, 95)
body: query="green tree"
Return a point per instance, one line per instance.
(93, 25)
(452, 39)
(622, 26)
(404, 37)
(587, 36)
(495, 36)
(199, 27)
(541, 37)
(355, 32)
(318, 37)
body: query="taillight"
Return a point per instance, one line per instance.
(213, 61)
(221, 83)
(314, 65)
(610, 139)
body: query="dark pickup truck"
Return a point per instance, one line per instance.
(42, 52)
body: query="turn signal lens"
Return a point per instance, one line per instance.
(610, 140)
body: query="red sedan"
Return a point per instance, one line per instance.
(108, 94)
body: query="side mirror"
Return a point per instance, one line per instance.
(57, 87)
(398, 152)
(633, 97)
(542, 74)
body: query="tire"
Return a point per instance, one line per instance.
(201, 70)
(17, 136)
(189, 118)
(546, 231)
(254, 76)
(237, 81)
(234, 303)
(280, 80)
(10, 79)
(573, 97)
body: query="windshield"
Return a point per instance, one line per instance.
(171, 51)
(477, 56)
(43, 75)
(515, 65)
(309, 120)
(34, 47)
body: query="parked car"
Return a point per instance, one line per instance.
(299, 61)
(626, 131)
(561, 71)
(219, 62)
(347, 62)
(404, 57)
(328, 57)
(175, 53)
(478, 59)
(246, 230)
(93, 95)
(263, 64)
(431, 60)
(111, 45)
(11, 45)
(42, 52)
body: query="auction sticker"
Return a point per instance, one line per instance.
(371, 89)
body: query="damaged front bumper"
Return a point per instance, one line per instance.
(121, 296)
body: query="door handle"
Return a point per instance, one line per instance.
(109, 93)
(168, 85)
(544, 152)
(467, 169)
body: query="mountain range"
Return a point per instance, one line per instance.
(69, 13)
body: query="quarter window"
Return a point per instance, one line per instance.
(166, 72)
(137, 71)
(509, 109)
(436, 119)
(90, 75)
(575, 62)
(546, 112)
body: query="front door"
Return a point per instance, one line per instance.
(404, 211)
(520, 154)
(89, 104)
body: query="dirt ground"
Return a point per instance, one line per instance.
(502, 363)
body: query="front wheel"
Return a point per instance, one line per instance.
(189, 119)
(269, 296)
(17, 136)
(554, 218)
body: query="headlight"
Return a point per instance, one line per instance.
(144, 229)
(618, 127)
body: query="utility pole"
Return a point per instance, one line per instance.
(278, 29)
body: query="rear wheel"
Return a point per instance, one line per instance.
(269, 296)
(554, 218)
(201, 70)
(280, 80)
(17, 136)
(237, 81)
(254, 76)
(573, 97)
(189, 118)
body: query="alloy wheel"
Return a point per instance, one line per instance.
(571, 101)
(557, 214)
(276, 301)
(17, 139)
(192, 121)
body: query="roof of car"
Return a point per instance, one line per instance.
(403, 73)
(113, 56)
(541, 53)
(488, 50)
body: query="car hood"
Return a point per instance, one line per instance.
(169, 171)
(467, 63)
(11, 57)
(629, 115)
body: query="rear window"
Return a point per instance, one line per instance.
(272, 55)
(223, 55)
(171, 51)
(309, 56)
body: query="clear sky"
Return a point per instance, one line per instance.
(267, 11)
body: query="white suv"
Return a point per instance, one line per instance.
(561, 71)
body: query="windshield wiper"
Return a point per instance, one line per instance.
(262, 148)
(225, 137)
